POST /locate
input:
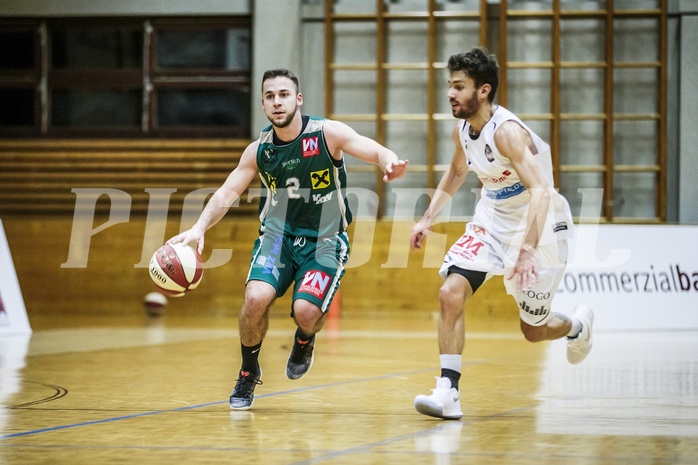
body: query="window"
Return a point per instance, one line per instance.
(19, 76)
(588, 77)
(125, 77)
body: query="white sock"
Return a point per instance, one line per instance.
(576, 328)
(451, 361)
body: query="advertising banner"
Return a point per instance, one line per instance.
(635, 277)
(13, 315)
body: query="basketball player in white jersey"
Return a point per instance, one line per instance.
(520, 227)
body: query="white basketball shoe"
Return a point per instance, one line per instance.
(578, 347)
(444, 401)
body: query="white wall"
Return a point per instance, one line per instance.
(276, 37)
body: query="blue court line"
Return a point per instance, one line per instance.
(208, 404)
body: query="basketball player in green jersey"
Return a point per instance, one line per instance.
(304, 214)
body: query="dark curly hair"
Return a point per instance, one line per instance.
(479, 66)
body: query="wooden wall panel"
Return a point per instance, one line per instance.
(38, 176)
(111, 285)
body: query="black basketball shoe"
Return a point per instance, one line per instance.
(242, 397)
(301, 358)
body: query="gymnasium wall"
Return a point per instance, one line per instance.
(113, 285)
(383, 280)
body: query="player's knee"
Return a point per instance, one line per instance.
(451, 296)
(446, 294)
(258, 297)
(306, 315)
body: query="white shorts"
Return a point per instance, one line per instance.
(477, 250)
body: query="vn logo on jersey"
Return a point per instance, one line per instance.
(315, 282)
(320, 179)
(311, 147)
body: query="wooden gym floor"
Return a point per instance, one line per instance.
(154, 390)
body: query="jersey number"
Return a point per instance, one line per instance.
(292, 186)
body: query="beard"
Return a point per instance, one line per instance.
(286, 120)
(470, 109)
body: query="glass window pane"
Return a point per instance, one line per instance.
(581, 142)
(17, 50)
(225, 49)
(407, 42)
(582, 40)
(586, 5)
(581, 90)
(407, 6)
(444, 141)
(18, 107)
(529, 40)
(355, 42)
(635, 142)
(530, 5)
(470, 6)
(204, 107)
(441, 93)
(636, 40)
(407, 92)
(570, 183)
(355, 92)
(354, 6)
(529, 90)
(635, 195)
(453, 36)
(102, 108)
(636, 4)
(542, 127)
(97, 48)
(361, 193)
(635, 90)
(408, 139)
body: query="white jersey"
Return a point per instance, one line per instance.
(504, 200)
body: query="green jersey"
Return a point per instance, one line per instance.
(305, 186)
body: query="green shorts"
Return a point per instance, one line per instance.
(316, 265)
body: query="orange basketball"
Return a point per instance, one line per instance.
(176, 269)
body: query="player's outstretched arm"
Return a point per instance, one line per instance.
(342, 138)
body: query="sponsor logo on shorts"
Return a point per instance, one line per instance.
(315, 282)
(542, 311)
(270, 262)
(467, 247)
(537, 295)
